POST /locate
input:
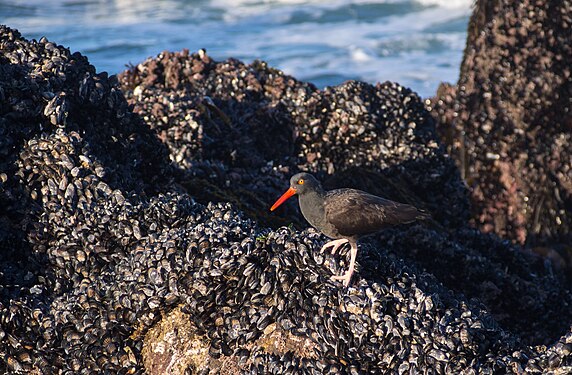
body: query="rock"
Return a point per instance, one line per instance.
(242, 130)
(508, 121)
(110, 239)
(172, 346)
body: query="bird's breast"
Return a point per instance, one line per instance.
(313, 209)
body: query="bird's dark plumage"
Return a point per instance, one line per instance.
(346, 214)
(357, 213)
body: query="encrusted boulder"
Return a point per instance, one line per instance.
(508, 121)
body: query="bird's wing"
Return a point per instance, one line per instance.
(354, 212)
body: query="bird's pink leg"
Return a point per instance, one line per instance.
(335, 243)
(348, 275)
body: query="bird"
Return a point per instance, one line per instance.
(346, 215)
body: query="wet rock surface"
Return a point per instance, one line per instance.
(116, 224)
(508, 122)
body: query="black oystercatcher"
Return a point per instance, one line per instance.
(346, 214)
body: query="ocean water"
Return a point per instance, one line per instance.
(418, 43)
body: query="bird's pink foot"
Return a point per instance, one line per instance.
(346, 277)
(335, 243)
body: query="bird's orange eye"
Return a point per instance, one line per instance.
(300, 182)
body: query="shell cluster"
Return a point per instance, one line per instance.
(508, 121)
(108, 246)
(251, 127)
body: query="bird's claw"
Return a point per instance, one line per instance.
(346, 277)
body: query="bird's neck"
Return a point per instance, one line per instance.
(318, 195)
(312, 206)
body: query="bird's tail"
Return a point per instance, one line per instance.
(425, 217)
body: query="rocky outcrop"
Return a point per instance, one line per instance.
(239, 131)
(134, 237)
(508, 122)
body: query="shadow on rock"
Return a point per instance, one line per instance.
(522, 291)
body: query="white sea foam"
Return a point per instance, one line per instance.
(449, 3)
(399, 49)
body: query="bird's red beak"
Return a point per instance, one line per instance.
(290, 192)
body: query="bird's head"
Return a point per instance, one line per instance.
(300, 183)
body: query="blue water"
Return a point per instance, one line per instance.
(416, 43)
